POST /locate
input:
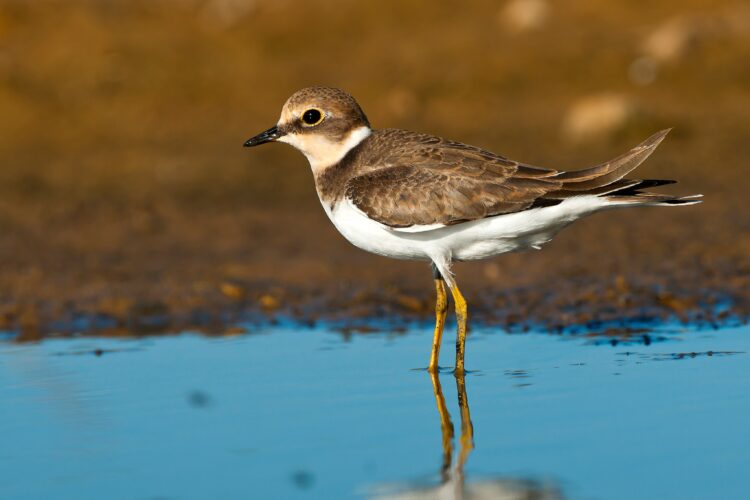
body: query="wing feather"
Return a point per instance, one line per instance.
(426, 181)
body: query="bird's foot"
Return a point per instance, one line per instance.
(460, 373)
(434, 370)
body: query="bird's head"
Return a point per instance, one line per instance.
(323, 123)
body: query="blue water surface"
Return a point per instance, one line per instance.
(292, 412)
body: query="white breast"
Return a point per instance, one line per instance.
(372, 236)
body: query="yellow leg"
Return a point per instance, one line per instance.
(461, 317)
(446, 426)
(467, 428)
(441, 309)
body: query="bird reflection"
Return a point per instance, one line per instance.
(453, 484)
(466, 441)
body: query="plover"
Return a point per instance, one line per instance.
(409, 195)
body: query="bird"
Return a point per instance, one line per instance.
(416, 196)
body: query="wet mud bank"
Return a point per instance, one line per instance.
(612, 312)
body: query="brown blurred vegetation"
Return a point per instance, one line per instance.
(124, 186)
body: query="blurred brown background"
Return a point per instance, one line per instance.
(124, 187)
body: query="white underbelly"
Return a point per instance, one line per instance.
(473, 240)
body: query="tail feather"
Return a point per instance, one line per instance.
(623, 187)
(615, 187)
(654, 199)
(607, 180)
(649, 183)
(633, 195)
(609, 172)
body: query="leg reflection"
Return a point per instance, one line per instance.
(453, 485)
(467, 428)
(446, 426)
(466, 440)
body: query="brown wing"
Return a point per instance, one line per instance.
(427, 180)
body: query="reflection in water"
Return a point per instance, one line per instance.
(466, 441)
(452, 480)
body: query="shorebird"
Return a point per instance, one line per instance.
(409, 195)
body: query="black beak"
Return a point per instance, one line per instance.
(269, 135)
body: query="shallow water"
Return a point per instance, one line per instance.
(290, 412)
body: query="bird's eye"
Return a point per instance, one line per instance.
(312, 117)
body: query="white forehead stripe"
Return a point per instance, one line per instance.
(320, 151)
